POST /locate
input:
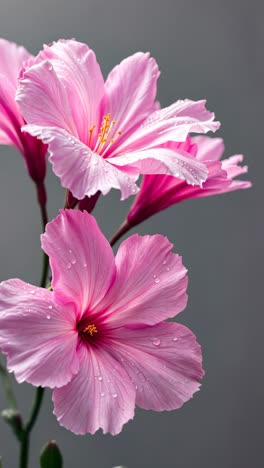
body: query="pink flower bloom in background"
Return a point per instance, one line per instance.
(158, 192)
(103, 135)
(99, 339)
(33, 151)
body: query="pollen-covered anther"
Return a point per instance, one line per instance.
(103, 136)
(90, 329)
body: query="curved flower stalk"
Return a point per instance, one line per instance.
(99, 339)
(33, 151)
(158, 192)
(103, 135)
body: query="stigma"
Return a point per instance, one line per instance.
(90, 329)
(106, 136)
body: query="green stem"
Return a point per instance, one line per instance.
(35, 410)
(8, 388)
(45, 258)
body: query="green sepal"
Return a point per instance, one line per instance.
(50, 456)
(14, 419)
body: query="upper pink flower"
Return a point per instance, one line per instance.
(158, 192)
(12, 57)
(103, 135)
(99, 338)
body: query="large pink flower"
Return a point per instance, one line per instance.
(33, 151)
(99, 338)
(158, 192)
(103, 135)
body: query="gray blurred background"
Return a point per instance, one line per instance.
(209, 49)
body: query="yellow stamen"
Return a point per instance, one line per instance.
(91, 130)
(103, 135)
(91, 329)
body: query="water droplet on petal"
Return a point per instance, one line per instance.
(73, 261)
(167, 269)
(175, 339)
(48, 317)
(84, 152)
(156, 341)
(136, 387)
(156, 280)
(100, 378)
(32, 291)
(68, 265)
(50, 306)
(114, 395)
(50, 67)
(102, 394)
(164, 262)
(85, 265)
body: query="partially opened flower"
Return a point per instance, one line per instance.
(103, 135)
(33, 151)
(99, 338)
(158, 192)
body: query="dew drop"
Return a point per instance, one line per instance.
(102, 394)
(68, 265)
(114, 395)
(73, 261)
(50, 68)
(48, 317)
(84, 152)
(85, 265)
(164, 262)
(100, 378)
(175, 339)
(50, 306)
(167, 269)
(136, 387)
(156, 341)
(156, 280)
(32, 291)
(134, 189)
(105, 169)
(154, 276)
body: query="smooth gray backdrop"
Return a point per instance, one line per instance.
(206, 49)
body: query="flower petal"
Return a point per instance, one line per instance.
(12, 57)
(131, 88)
(164, 161)
(41, 85)
(163, 361)
(172, 123)
(100, 396)
(150, 284)
(208, 148)
(68, 85)
(81, 170)
(81, 259)
(37, 334)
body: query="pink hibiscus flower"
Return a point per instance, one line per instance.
(99, 339)
(103, 135)
(158, 192)
(33, 151)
